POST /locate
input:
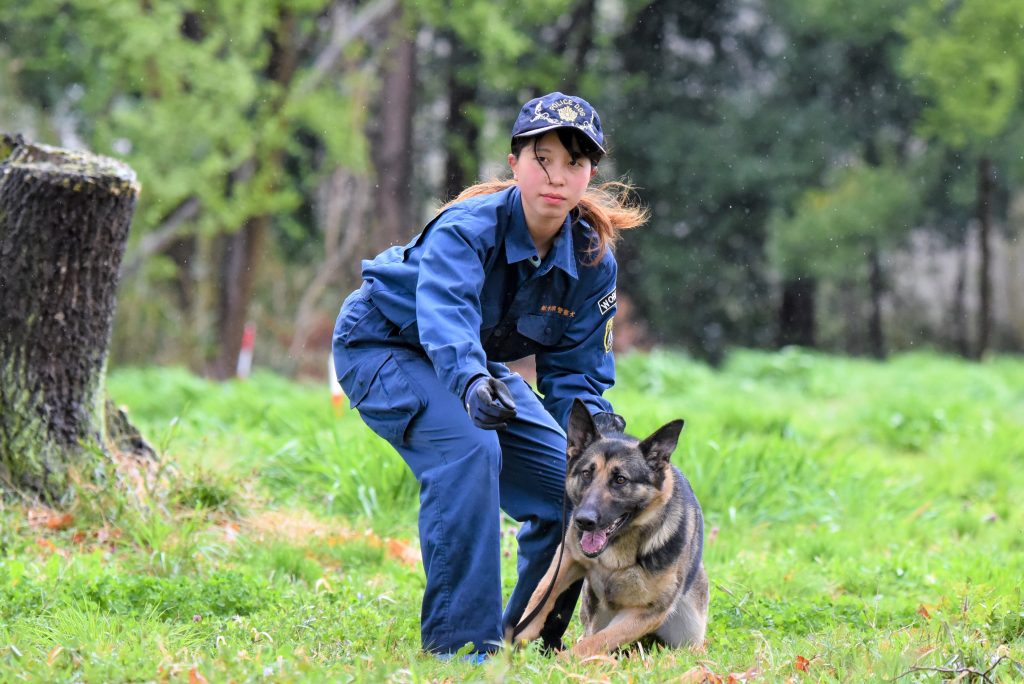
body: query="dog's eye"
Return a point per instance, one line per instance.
(586, 475)
(620, 479)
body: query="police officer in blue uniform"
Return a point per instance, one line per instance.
(509, 269)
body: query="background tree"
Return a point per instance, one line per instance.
(967, 60)
(213, 104)
(839, 235)
(281, 143)
(839, 71)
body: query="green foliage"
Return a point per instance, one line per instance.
(967, 60)
(861, 25)
(832, 229)
(860, 516)
(185, 94)
(499, 34)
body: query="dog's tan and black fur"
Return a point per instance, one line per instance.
(636, 536)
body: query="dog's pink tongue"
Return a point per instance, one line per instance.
(592, 542)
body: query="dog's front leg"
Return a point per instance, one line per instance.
(562, 575)
(627, 626)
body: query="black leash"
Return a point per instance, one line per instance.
(561, 549)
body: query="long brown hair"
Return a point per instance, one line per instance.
(609, 208)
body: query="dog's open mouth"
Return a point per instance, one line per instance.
(593, 542)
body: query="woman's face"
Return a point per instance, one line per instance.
(551, 179)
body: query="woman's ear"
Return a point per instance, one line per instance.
(593, 171)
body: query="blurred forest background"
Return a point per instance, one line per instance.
(845, 176)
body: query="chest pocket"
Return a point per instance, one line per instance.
(545, 329)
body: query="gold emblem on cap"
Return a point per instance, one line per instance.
(567, 114)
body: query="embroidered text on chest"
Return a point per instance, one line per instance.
(560, 310)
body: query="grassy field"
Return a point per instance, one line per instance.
(864, 523)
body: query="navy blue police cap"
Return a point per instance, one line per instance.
(557, 110)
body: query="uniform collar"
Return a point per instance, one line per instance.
(519, 245)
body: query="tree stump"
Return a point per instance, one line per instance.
(64, 220)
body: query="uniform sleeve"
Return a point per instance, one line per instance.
(451, 276)
(587, 369)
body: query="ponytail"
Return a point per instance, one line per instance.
(609, 208)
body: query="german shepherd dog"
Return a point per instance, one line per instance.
(636, 537)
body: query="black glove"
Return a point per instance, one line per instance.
(609, 422)
(489, 403)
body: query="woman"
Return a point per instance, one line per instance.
(506, 270)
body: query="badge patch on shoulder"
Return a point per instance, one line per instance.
(606, 302)
(608, 336)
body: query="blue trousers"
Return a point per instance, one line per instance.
(467, 476)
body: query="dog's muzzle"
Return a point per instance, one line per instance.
(594, 541)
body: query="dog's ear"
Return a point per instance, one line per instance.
(657, 449)
(582, 431)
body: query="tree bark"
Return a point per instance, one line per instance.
(960, 304)
(581, 30)
(64, 220)
(463, 131)
(344, 211)
(985, 186)
(393, 148)
(240, 256)
(796, 316)
(242, 250)
(876, 283)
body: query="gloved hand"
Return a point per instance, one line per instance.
(609, 422)
(489, 403)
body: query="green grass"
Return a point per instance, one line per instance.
(864, 523)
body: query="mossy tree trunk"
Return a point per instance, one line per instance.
(64, 220)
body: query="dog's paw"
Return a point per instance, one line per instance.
(527, 635)
(584, 648)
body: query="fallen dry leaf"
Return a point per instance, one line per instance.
(46, 544)
(403, 552)
(231, 532)
(802, 663)
(919, 510)
(195, 677)
(700, 675)
(60, 522)
(50, 519)
(922, 610)
(750, 674)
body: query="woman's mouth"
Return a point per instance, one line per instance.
(553, 199)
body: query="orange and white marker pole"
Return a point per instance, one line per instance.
(244, 366)
(337, 394)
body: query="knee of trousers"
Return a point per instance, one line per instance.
(474, 458)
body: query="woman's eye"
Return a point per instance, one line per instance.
(542, 160)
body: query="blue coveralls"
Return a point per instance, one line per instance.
(467, 294)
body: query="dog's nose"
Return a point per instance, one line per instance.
(586, 520)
